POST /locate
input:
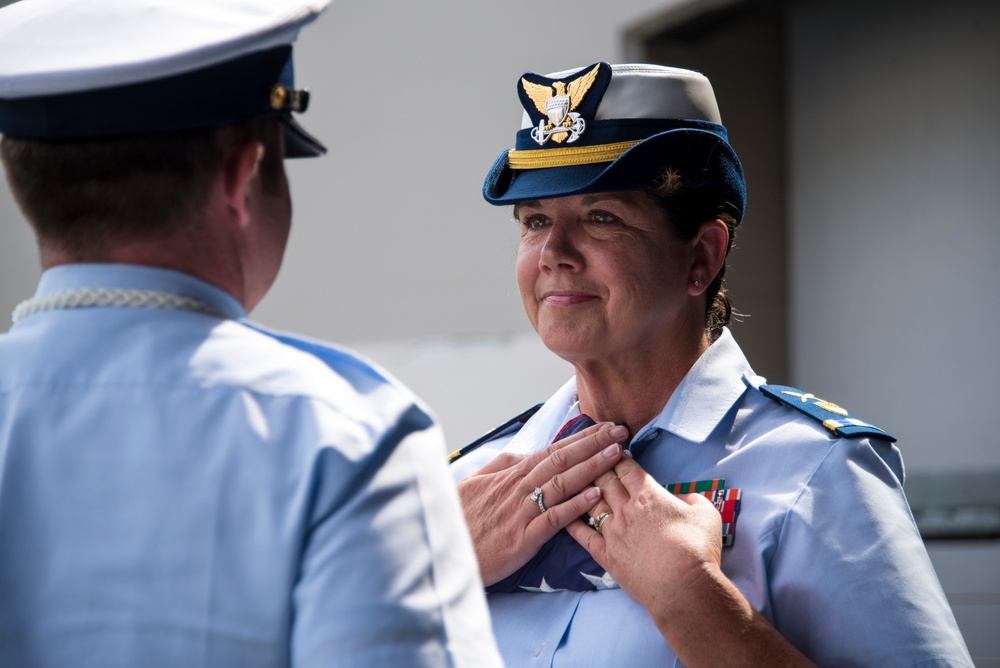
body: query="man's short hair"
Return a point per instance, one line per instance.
(82, 196)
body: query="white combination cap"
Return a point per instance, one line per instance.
(102, 68)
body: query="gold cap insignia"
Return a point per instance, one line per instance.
(288, 99)
(557, 103)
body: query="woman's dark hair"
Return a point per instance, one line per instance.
(686, 209)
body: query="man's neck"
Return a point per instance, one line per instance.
(160, 254)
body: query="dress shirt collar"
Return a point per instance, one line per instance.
(710, 388)
(538, 432)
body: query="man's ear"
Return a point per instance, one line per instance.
(709, 247)
(239, 170)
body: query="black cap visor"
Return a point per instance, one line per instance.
(298, 142)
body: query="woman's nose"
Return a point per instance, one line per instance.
(560, 250)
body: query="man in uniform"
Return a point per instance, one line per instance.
(179, 487)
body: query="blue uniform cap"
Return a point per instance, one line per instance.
(608, 128)
(109, 68)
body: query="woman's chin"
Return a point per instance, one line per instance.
(571, 349)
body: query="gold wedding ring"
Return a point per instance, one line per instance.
(599, 522)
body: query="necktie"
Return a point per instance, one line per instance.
(561, 563)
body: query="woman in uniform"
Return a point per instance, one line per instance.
(746, 523)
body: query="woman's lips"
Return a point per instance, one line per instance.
(566, 298)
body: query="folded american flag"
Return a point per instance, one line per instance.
(563, 564)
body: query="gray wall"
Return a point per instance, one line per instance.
(894, 280)
(894, 165)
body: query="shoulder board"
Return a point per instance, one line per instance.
(830, 415)
(512, 424)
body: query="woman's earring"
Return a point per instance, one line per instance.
(697, 284)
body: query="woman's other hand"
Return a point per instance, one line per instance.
(501, 507)
(665, 552)
(653, 543)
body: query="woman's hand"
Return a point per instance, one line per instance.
(665, 552)
(653, 543)
(508, 526)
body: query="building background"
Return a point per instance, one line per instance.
(867, 261)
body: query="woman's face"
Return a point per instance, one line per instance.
(601, 275)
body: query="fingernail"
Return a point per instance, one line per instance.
(593, 494)
(612, 450)
(619, 432)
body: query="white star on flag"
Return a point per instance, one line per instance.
(603, 582)
(543, 588)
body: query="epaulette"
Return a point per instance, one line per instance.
(496, 432)
(830, 415)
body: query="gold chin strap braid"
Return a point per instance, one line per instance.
(567, 156)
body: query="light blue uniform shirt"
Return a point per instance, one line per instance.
(178, 489)
(825, 545)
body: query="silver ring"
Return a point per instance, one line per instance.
(536, 496)
(599, 522)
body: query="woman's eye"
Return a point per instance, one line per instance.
(533, 222)
(603, 217)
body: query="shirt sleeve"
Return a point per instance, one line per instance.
(851, 581)
(388, 574)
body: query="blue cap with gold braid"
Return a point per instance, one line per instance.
(108, 68)
(606, 128)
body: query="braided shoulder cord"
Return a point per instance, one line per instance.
(113, 298)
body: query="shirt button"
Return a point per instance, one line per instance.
(538, 651)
